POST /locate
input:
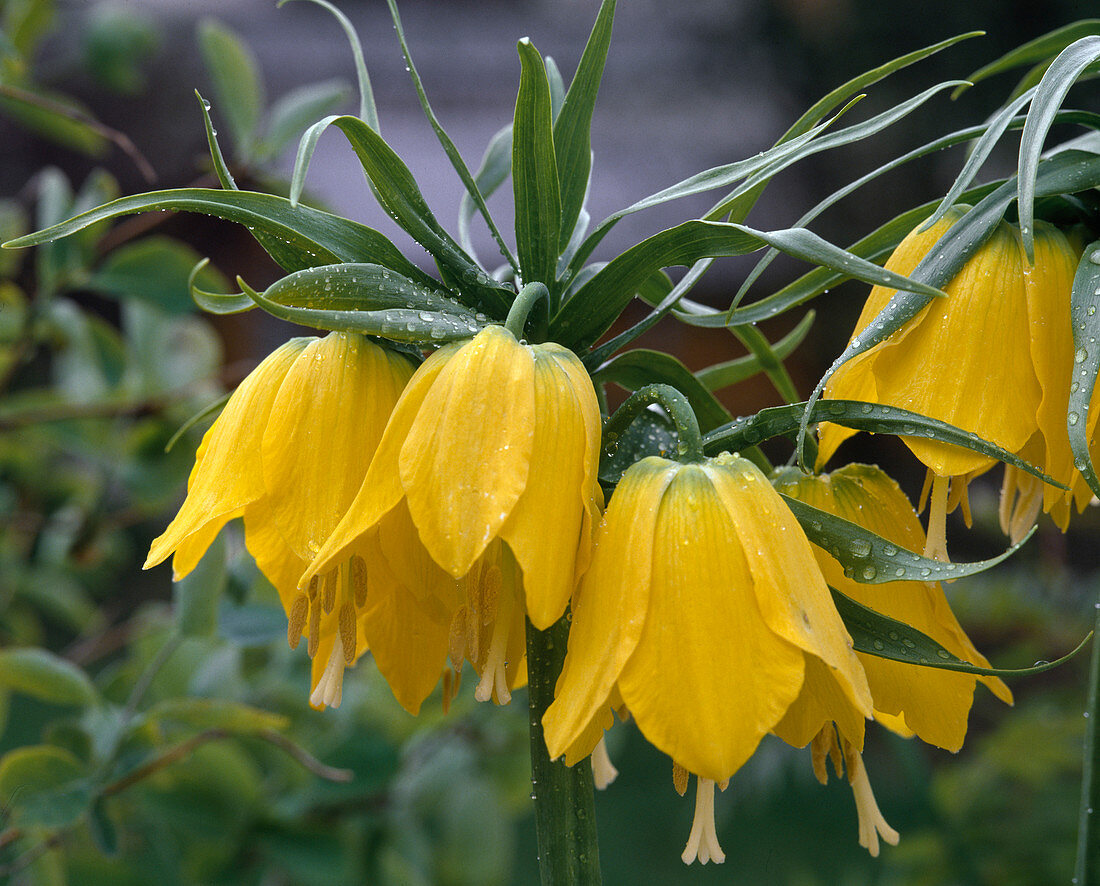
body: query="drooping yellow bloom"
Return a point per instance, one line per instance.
(492, 440)
(288, 454)
(705, 608)
(993, 358)
(932, 703)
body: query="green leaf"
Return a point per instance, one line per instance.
(1038, 50)
(651, 433)
(102, 828)
(496, 165)
(307, 237)
(216, 302)
(638, 368)
(572, 127)
(235, 76)
(535, 173)
(368, 112)
(156, 270)
(45, 676)
(214, 713)
(871, 559)
(1060, 76)
(445, 141)
(44, 785)
(354, 286)
(394, 324)
(885, 637)
(196, 596)
(724, 375)
(875, 418)
(400, 196)
(217, 159)
(1085, 317)
(295, 111)
(597, 304)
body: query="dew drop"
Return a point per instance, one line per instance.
(879, 645)
(1072, 418)
(869, 572)
(858, 547)
(1081, 354)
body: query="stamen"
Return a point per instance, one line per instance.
(456, 638)
(603, 770)
(314, 584)
(680, 778)
(1027, 506)
(448, 685)
(296, 621)
(347, 632)
(702, 843)
(493, 675)
(922, 499)
(359, 581)
(872, 825)
(328, 593)
(314, 627)
(824, 746)
(330, 688)
(960, 496)
(936, 545)
(1009, 489)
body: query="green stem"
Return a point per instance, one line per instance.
(565, 819)
(1086, 871)
(521, 307)
(689, 439)
(753, 339)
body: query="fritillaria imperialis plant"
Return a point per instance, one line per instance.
(439, 479)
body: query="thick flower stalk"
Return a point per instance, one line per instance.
(931, 703)
(288, 454)
(491, 454)
(994, 358)
(705, 612)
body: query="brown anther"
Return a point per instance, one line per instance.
(359, 581)
(314, 629)
(314, 585)
(328, 591)
(456, 638)
(296, 620)
(723, 784)
(491, 584)
(448, 686)
(347, 632)
(680, 778)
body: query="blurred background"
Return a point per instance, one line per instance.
(102, 358)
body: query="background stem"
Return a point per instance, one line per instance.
(565, 819)
(1087, 868)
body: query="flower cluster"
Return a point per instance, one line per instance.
(427, 514)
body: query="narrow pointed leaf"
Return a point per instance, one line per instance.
(221, 168)
(589, 313)
(885, 637)
(236, 80)
(875, 418)
(638, 368)
(1060, 76)
(306, 237)
(205, 412)
(294, 112)
(724, 375)
(445, 140)
(1038, 50)
(400, 196)
(496, 165)
(572, 136)
(216, 302)
(535, 172)
(871, 559)
(361, 287)
(1085, 316)
(394, 324)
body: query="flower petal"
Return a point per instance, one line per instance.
(465, 461)
(610, 608)
(323, 429)
(709, 678)
(544, 530)
(228, 475)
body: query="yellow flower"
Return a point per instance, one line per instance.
(993, 358)
(705, 609)
(492, 450)
(932, 703)
(288, 454)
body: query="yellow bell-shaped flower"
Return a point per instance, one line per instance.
(493, 439)
(705, 608)
(929, 702)
(288, 454)
(993, 358)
